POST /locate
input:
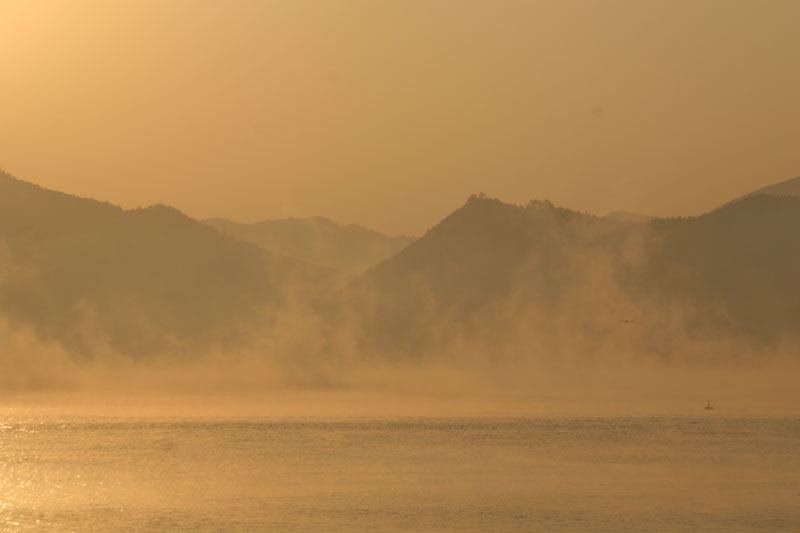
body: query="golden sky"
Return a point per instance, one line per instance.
(390, 113)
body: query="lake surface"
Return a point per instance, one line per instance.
(705, 472)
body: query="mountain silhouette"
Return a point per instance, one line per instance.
(483, 269)
(551, 277)
(790, 187)
(741, 260)
(491, 278)
(317, 240)
(87, 273)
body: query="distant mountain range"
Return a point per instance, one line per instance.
(492, 278)
(319, 241)
(542, 278)
(789, 187)
(99, 278)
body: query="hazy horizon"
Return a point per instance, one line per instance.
(355, 265)
(390, 114)
(493, 298)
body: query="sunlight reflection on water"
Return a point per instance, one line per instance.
(559, 473)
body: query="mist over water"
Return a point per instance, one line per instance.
(527, 367)
(515, 368)
(499, 308)
(519, 364)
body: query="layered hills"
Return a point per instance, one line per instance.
(543, 279)
(492, 280)
(349, 248)
(99, 278)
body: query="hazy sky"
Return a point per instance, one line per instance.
(390, 113)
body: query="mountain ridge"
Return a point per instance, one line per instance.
(350, 248)
(139, 278)
(534, 280)
(789, 187)
(730, 273)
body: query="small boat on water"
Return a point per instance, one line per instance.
(709, 406)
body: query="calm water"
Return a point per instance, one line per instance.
(694, 473)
